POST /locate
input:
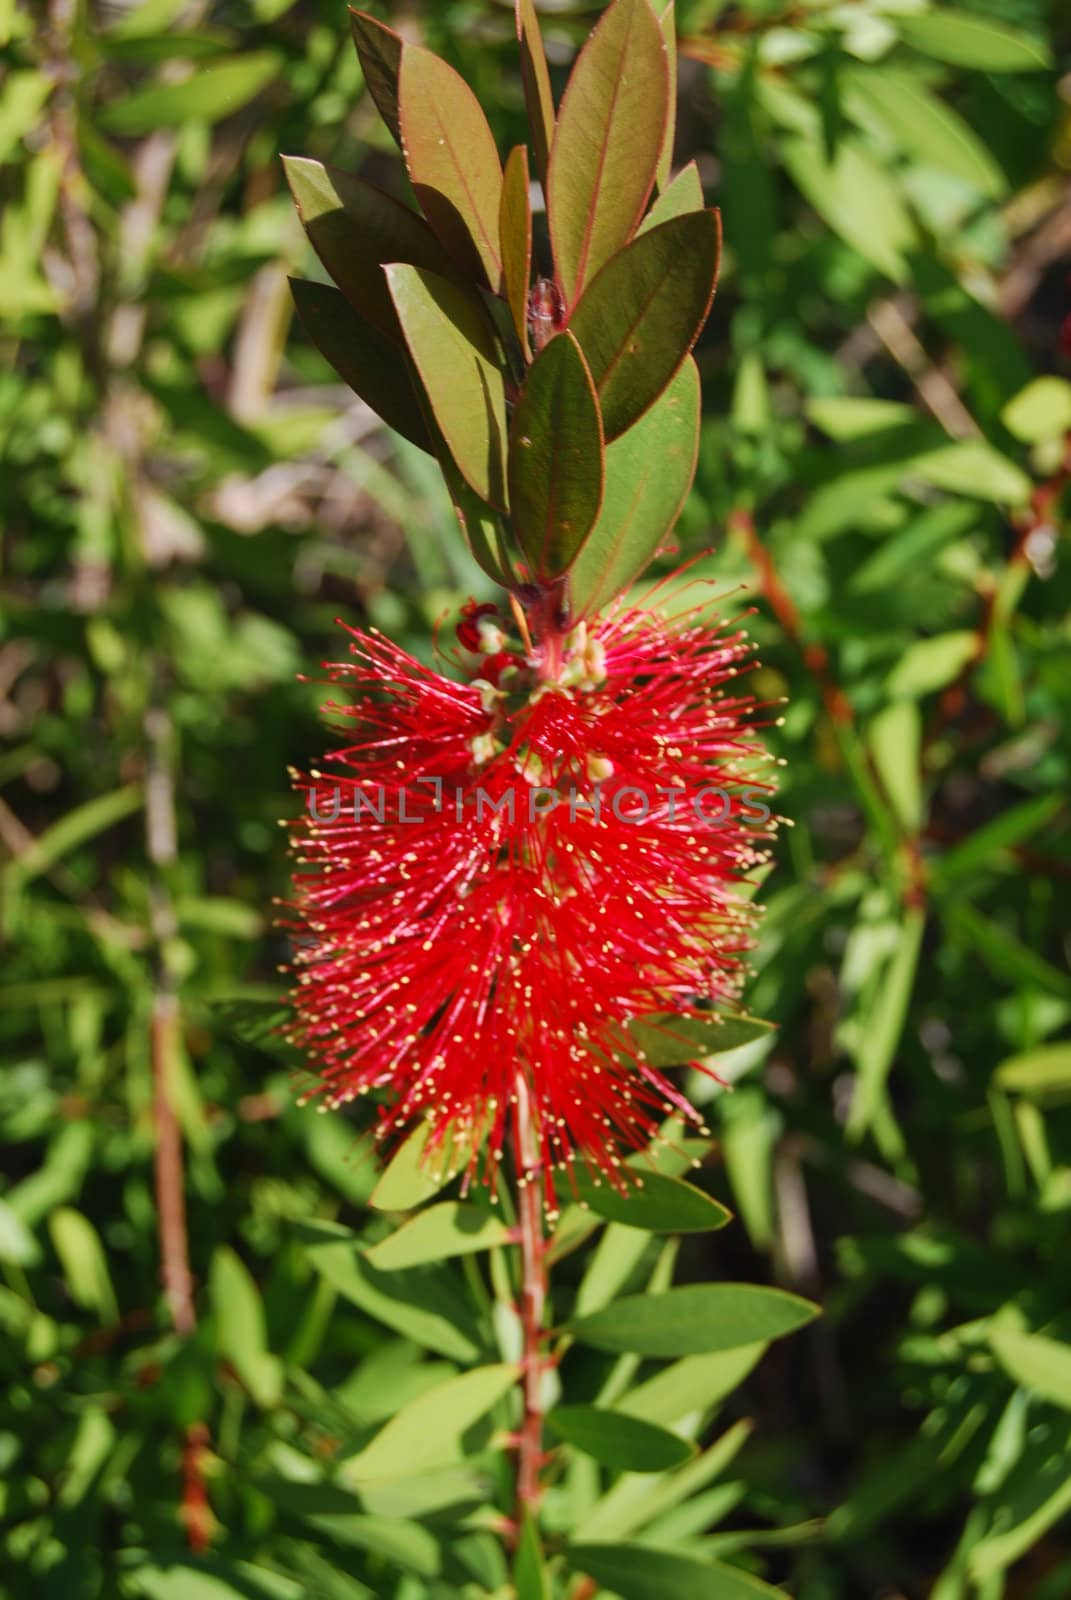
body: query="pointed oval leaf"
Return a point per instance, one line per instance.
(452, 160)
(625, 1443)
(530, 1579)
(640, 1572)
(668, 24)
(455, 355)
(379, 49)
(643, 313)
(535, 75)
(1035, 1361)
(452, 1228)
(218, 89)
(428, 1433)
(694, 1319)
(673, 1041)
(555, 458)
(653, 1201)
(1044, 1070)
(423, 1304)
(683, 195)
(355, 230)
(649, 471)
(412, 1175)
(970, 41)
(361, 356)
(611, 127)
(515, 238)
(241, 1335)
(923, 126)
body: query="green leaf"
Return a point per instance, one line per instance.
(649, 471)
(1040, 411)
(75, 828)
(931, 664)
(184, 1578)
(895, 737)
(555, 458)
(673, 1041)
(413, 1174)
(24, 94)
(515, 240)
(923, 126)
(640, 1572)
(423, 1304)
(972, 467)
(884, 1025)
(241, 1336)
(530, 1578)
(535, 76)
(847, 417)
(1004, 954)
(653, 1201)
(607, 145)
(694, 1319)
(85, 1266)
(678, 199)
(857, 198)
(361, 356)
(692, 1385)
(17, 1243)
(1038, 1363)
(452, 1228)
(991, 845)
(625, 1443)
(455, 354)
(967, 40)
(452, 160)
(355, 229)
(429, 1432)
(1044, 1070)
(218, 89)
(336, 1514)
(641, 315)
(379, 50)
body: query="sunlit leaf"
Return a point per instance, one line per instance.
(611, 127)
(653, 1201)
(538, 97)
(454, 351)
(694, 1319)
(218, 89)
(452, 160)
(355, 228)
(515, 237)
(452, 1228)
(643, 312)
(625, 1443)
(641, 1572)
(429, 1433)
(968, 40)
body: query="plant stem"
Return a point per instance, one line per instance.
(533, 1303)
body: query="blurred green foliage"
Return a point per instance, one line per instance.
(189, 499)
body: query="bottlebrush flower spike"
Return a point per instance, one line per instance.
(503, 871)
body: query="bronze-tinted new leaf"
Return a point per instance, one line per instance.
(373, 367)
(380, 51)
(555, 458)
(515, 230)
(452, 160)
(355, 229)
(642, 314)
(611, 128)
(536, 78)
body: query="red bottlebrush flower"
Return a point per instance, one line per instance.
(498, 877)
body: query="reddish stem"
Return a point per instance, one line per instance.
(533, 1303)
